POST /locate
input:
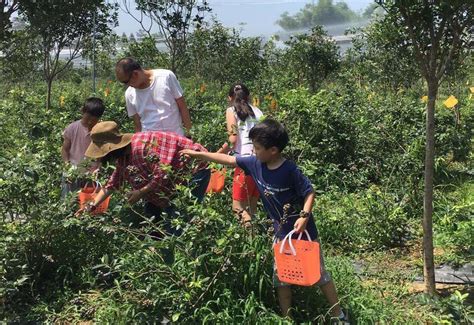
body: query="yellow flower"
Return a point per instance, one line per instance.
(450, 102)
(256, 101)
(273, 104)
(472, 89)
(202, 89)
(424, 99)
(268, 97)
(61, 101)
(106, 92)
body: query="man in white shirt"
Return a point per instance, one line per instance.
(154, 98)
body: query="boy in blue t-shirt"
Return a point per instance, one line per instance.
(287, 197)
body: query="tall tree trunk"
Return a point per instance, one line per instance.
(428, 259)
(48, 97)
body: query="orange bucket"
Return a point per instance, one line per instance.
(297, 261)
(88, 193)
(217, 181)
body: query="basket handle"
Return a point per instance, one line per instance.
(293, 251)
(95, 184)
(306, 233)
(299, 237)
(290, 243)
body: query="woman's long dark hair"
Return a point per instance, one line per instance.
(240, 100)
(112, 156)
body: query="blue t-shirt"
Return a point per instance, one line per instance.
(285, 185)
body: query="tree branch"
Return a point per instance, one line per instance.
(418, 54)
(433, 49)
(72, 55)
(454, 46)
(126, 9)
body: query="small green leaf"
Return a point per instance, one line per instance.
(175, 317)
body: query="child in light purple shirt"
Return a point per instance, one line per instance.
(77, 139)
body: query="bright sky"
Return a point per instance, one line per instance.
(255, 18)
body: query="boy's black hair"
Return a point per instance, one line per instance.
(128, 65)
(270, 133)
(94, 106)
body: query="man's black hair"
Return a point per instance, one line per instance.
(128, 65)
(94, 106)
(270, 133)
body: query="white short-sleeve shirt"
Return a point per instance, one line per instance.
(156, 104)
(244, 146)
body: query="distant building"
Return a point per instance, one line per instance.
(337, 33)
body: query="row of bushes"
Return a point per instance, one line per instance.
(345, 138)
(361, 147)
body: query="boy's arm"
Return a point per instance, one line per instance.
(65, 150)
(219, 158)
(308, 203)
(302, 221)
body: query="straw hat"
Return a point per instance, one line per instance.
(105, 138)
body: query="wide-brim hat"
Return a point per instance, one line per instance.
(105, 137)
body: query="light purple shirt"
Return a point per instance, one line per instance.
(80, 138)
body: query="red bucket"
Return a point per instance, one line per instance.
(88, 194)
(217, 181)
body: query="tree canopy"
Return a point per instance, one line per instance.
(325, 12)
(71, 23)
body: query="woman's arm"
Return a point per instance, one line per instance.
(100, 197)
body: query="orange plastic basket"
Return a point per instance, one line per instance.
(217, 181)
(88, 193)
(297, 261)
